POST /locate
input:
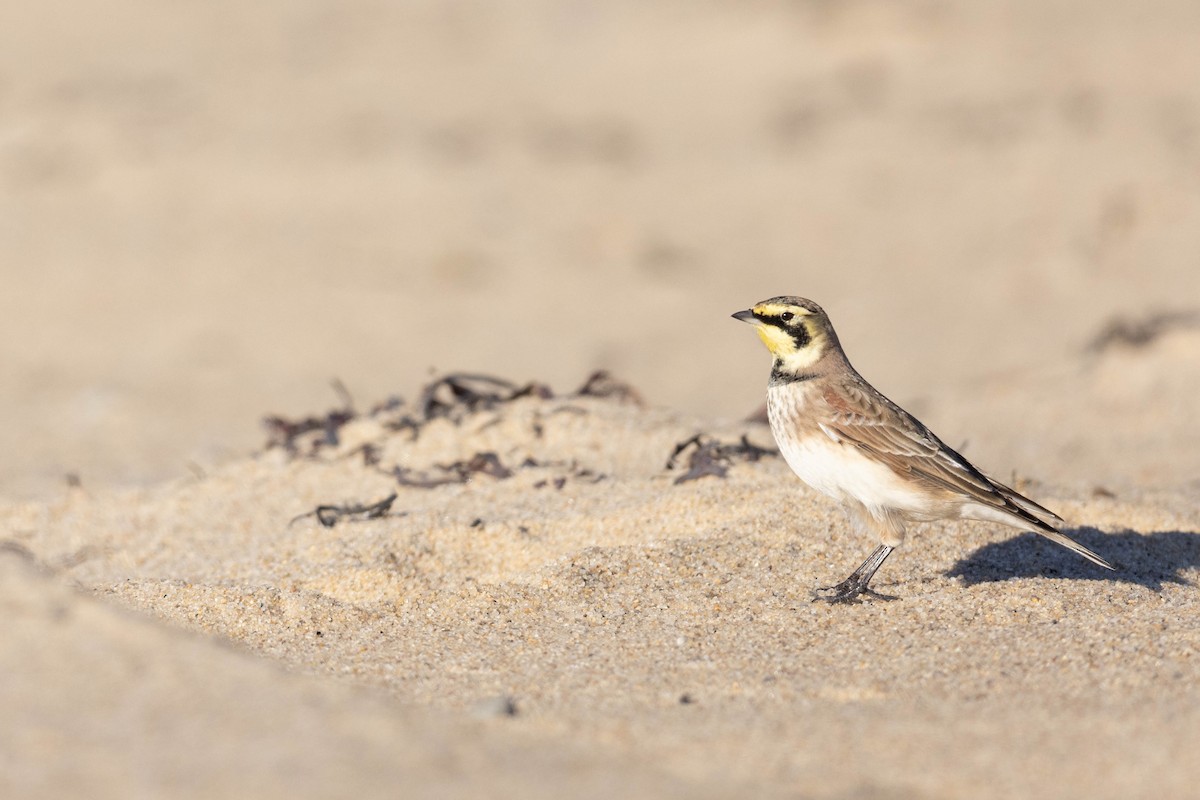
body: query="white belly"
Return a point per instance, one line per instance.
(836, 469)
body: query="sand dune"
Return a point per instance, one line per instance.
(209, 212)
(539, 559)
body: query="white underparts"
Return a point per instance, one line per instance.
(873, 493)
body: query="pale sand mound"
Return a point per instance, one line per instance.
(653, 636)
(98, 703)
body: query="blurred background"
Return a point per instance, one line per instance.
(209, 210)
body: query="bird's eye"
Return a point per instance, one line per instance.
(786, 316)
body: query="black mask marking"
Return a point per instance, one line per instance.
(794, 328)
(799, 335)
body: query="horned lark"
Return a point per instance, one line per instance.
(846, 440)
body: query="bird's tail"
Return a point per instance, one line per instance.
(1043, 521)
(1066, 541)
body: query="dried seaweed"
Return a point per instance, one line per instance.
(1122, 332)
(601, 384)
(453, 397)
(456, 395)
(369, 452)
(330, 515)
(489, 463)
(574, 471)
(458, 472)
(711, 457)
(285, 433)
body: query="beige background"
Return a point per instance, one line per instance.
(210, 210)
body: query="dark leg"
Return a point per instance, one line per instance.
(848, 591)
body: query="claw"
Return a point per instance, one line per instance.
(850, 595)
(855, 587)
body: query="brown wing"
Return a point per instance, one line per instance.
(861, 416)
(857, 414)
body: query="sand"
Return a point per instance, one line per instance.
(211, 212)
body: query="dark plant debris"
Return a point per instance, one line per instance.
(582, 474)
(711, 457)
(343, 393)
(486, 464)
(456, 395)
(370, 453)
(285, 433)
(452, 397)
(459, 395)
(393, 402)
(601, 384)
(330, 515)
(1134, 333)
(458, 472)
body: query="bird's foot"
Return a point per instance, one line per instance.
(854, 588)
(849, 591)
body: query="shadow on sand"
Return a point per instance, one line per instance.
(1145, 559)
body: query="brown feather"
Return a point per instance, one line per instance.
(859, 414)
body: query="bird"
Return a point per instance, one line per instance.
(846, 440)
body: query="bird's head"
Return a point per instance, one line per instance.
(795, 330)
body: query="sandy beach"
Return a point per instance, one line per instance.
(350, 349)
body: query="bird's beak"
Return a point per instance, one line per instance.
(746, 316)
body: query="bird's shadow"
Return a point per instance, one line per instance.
(1145, 559)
